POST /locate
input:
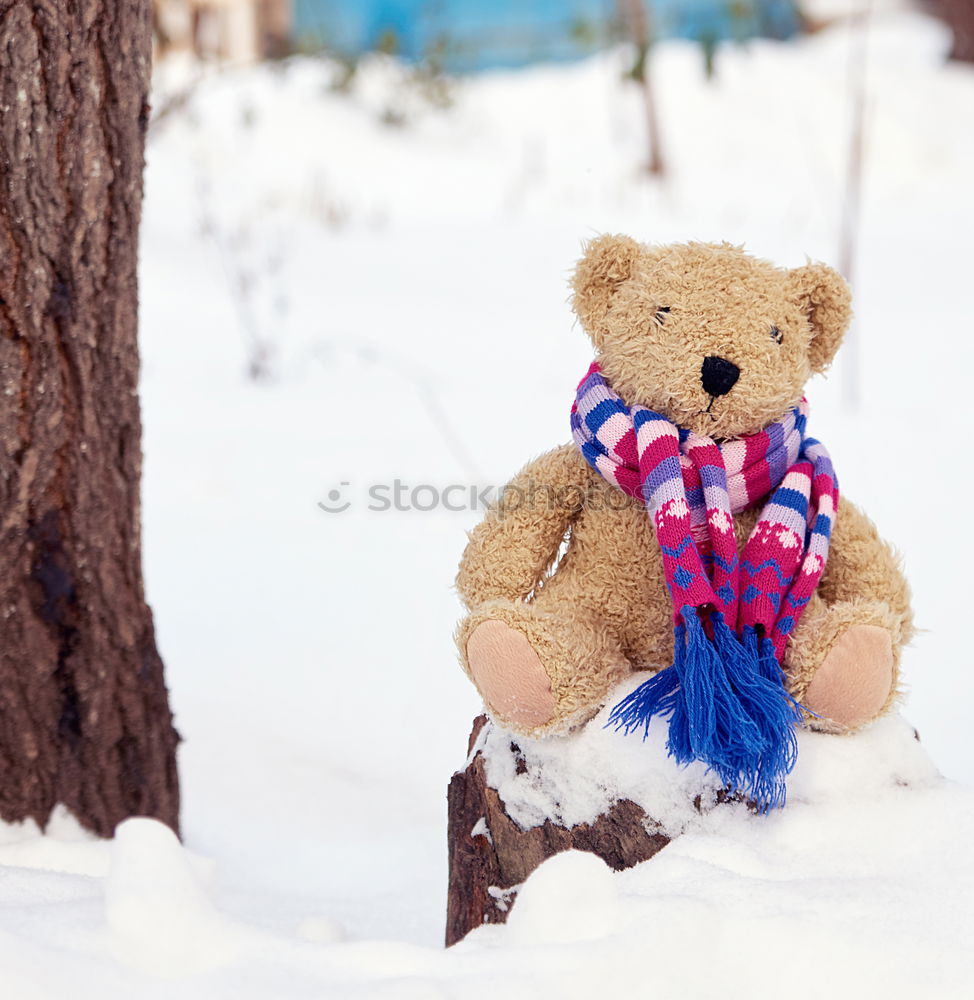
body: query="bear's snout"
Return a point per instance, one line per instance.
(718, 375)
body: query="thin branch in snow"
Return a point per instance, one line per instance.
(851, 209)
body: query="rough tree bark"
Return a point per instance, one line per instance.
(84, 714)
(490, 855)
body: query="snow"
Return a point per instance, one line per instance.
(159, 916)
(575, 779)
(865, 873)
(402, 291)
(572, 898)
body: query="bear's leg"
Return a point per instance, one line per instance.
(541, 668)
(843, 662)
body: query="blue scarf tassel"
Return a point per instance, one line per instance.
(727, 705)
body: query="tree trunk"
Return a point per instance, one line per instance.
(84, 715)
(959, 14)
(273, 29)
(490, 855)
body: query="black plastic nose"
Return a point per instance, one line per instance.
(718, 375)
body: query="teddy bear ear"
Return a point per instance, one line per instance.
(607, 262)
(824, 296)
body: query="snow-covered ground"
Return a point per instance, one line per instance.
(388, 281)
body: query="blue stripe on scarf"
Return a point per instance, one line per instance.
(592, 379)
(713, 475)
(643, 416)
(777, 453)
(823, 526)
(592, 452)
(784, 496)
(665, 472)
(602, 411)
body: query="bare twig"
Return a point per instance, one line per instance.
(422, 382)
(851, 209)
(637, 27)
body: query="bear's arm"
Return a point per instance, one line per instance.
(862, 566)
(511, 550)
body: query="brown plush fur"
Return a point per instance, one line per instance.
(604, 610)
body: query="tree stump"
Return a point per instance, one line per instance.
(490, 855)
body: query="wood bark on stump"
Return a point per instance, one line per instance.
(84, 713)
(490, 855)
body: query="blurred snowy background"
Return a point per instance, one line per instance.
(346, 254)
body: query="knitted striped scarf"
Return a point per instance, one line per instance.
(724, 694)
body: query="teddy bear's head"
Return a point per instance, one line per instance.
(718, 341)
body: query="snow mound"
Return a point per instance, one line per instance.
(863, 881)
(160, 919)
(65, 847)
(576, 778)
(579, 888)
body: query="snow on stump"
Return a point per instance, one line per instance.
(519, 801)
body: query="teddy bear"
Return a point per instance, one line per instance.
(577, 574)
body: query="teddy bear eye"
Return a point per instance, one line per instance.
(776, 335)
(661, 313)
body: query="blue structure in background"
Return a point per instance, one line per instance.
(471, 35)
